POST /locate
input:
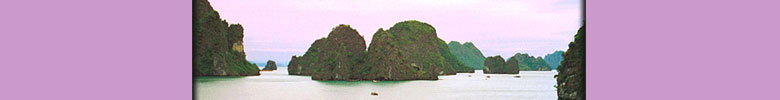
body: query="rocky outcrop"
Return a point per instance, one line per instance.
(333, 57)
(531, 63)
(468, 54)
(409, 50)
(270, 65)
(554, 59)
(496, 65)
(493, 63)
(336, 56)
(571, 73)
(217, 46)
(293, 68)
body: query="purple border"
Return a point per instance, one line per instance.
(96, 50)
(141, 49)
(682, 49)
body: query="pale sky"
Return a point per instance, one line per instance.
(278, 29)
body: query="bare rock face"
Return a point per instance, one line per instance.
(496, 65)
(218, 46)
(270, 65)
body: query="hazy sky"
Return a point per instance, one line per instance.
(278, 29)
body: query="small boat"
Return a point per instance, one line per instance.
(518, 76)
(374, 81)
(374, 93)
(487, 76)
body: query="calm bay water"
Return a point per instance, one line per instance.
(277, 85)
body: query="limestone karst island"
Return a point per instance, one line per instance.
(408, 59)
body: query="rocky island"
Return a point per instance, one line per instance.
(496, 65)
(270, 65)
(331, 58)
(468, 54)
(554, 59)
(410, 50)
(218, 48)
(531, 63)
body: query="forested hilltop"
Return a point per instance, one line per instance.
(468, 54)
(554, 59)
(410, 50)
(531, 63)
(218, 48)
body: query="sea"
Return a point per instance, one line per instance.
(277, 85)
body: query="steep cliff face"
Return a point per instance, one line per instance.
(217, 47)
(531, 63)
(270, 65)
(468, 54)
(554, 59)
(496, 65)
(293, 68)
(382, 59)
(571, 73)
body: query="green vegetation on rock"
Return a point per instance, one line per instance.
(496, 65)
(332, 58)
(217, 46)
(531, 63)
(468, 54)
(571, 73)
(453, 61)
(554, 59)
(410, 50)
(270, 65)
